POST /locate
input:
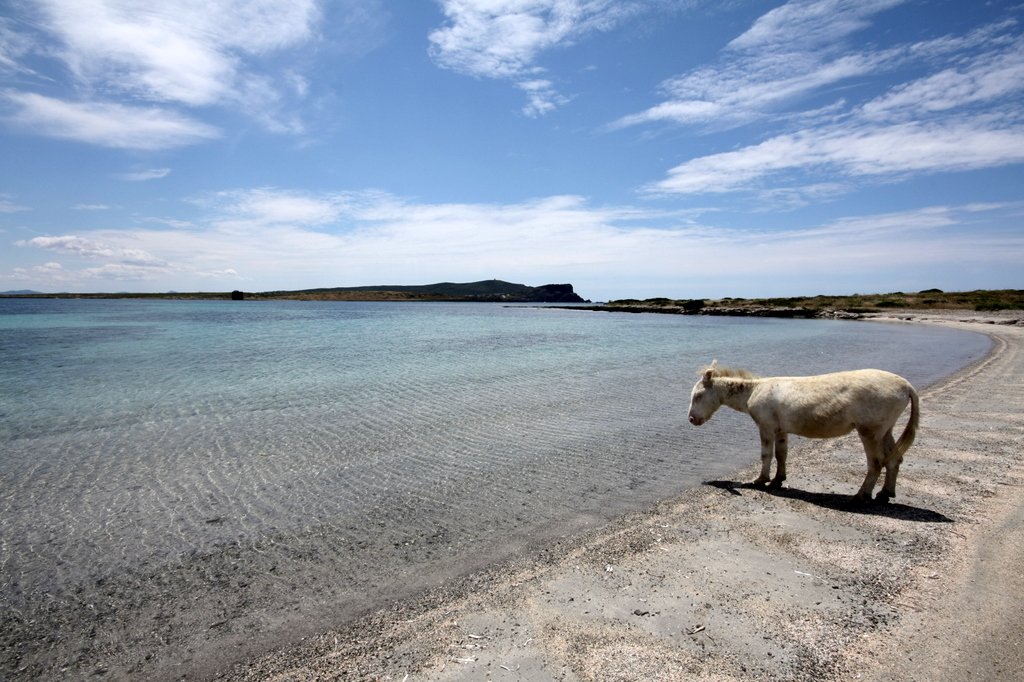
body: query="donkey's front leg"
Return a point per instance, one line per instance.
(767, 451)
(874, 448)
(781, 448)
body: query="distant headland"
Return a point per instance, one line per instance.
(851, 306)
(487, 291)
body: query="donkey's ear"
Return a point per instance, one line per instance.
(710, 372)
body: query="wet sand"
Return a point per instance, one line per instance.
(727, 582)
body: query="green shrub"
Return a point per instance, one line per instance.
(782, 302)
(996, 305)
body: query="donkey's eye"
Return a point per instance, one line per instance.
(696, 398)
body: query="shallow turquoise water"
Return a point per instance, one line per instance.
(138, 435)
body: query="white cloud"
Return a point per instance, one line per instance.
(106, 124)
(278, 239)
(185, 51)
(49, 272)
(134, 63)
(125, 272)
(52, 275)
(503, 38)
(90, 249)
(542, 97)
(90, 207)
(269, 206)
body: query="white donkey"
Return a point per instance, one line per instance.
(824, 406)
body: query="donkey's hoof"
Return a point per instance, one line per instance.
(883, 497)
(759, 484)
(776, 483)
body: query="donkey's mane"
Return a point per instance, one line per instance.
(729, 372)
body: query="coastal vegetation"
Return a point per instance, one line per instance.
(929, 299)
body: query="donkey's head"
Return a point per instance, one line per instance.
(704, 400)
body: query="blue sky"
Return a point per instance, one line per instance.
(682, 148)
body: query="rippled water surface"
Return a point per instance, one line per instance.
(138, 435)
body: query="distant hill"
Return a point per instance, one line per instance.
(488, 287)
(488, 290)
(20, 292)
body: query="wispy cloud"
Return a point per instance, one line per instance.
(963, 115)
(13, 47)
(787, 54)
(143, 175)
(504, 39)
(802, 50)
(810, 24)
(976, 79)
(11, 207)
(170, 222)
(106, 124)
(90, 207)
(969, 143)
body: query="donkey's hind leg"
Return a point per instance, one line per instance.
(781, 449)
(892, 468)
(874, 449)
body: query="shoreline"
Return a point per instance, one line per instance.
(725, 582)
(965, 315)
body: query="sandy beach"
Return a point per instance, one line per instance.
(727, 582)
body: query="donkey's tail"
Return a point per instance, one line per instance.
(907, 439)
